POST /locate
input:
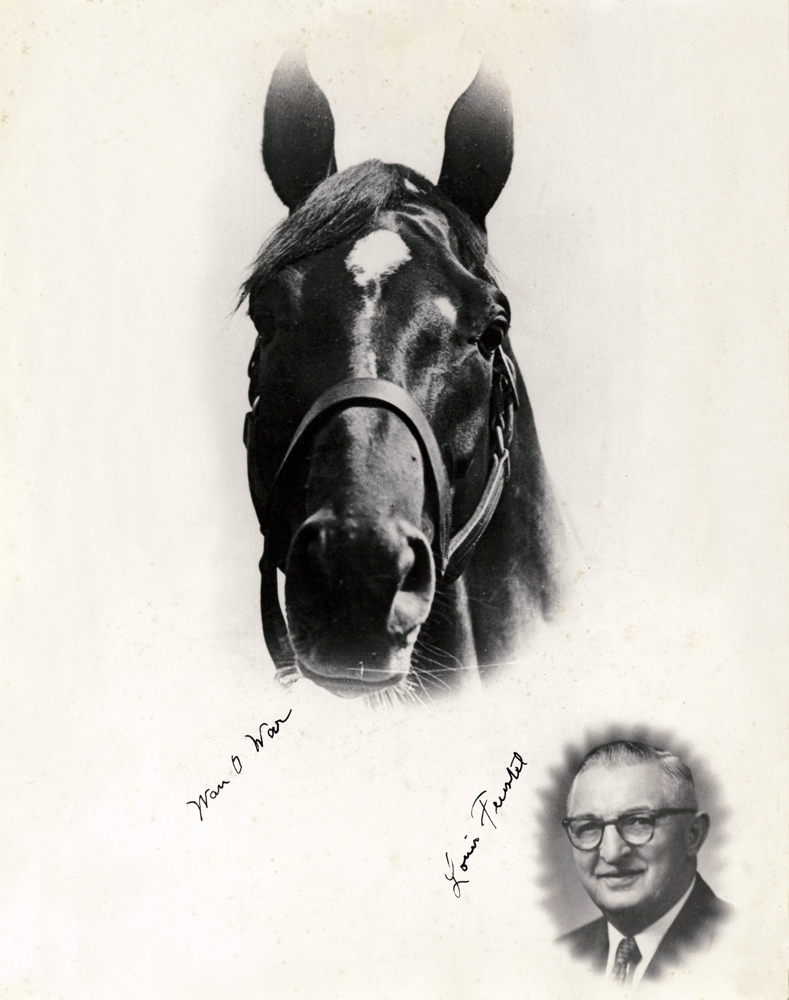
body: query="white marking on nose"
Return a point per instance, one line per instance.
(376, 255)
(446, 308)
(364, 363)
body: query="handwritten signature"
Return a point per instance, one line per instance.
(481, 809)
(456, 882)
(264, 730)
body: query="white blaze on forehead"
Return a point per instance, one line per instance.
(376, 255)
(446, 308)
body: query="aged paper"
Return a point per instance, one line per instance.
(642, 241)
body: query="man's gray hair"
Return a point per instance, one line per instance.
(677, 775)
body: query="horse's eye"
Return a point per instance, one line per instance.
(493, 337)
(265, 331)
(267, 307)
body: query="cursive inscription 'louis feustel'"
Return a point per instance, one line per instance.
(484, 809)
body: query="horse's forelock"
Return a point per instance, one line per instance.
(345, 205)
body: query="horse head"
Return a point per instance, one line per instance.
(383, 396)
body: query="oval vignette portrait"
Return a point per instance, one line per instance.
(633, 832)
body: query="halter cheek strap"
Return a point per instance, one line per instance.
(451, 552)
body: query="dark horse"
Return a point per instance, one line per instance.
(393, 457)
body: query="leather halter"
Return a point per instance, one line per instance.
(451, 552)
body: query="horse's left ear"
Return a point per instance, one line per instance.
(478, 146)
(298, 131)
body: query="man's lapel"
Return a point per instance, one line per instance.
(599, 950)
(691, 924)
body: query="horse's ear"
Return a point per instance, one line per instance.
(298, 131)
(478, 146)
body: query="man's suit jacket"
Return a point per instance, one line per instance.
(693, 928)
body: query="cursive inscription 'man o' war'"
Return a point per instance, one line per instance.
(270, 731)
(264, 731)
(208, 794)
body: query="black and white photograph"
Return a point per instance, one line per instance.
(636, 824)
(394, 478)
(382, 357)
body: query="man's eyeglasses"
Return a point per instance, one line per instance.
(635, 828)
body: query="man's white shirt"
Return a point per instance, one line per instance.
(648, 940)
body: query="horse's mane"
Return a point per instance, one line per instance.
(346, 204)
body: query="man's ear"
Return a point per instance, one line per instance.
(697, 831)
(478, 145)
(298, 131)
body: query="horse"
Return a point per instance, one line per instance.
(393, 458)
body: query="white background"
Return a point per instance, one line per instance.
(643, 242)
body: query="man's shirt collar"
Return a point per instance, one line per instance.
(648, 940)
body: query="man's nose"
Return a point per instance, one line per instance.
(612, 846)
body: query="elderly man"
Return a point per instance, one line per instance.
(635, 828)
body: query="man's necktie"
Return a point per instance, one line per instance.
(627, 958)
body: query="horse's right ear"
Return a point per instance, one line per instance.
(298, 131)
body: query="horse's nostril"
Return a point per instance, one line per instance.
(411, 603)
(311, 544)
(420, 577)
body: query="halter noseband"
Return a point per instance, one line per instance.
(451, 552)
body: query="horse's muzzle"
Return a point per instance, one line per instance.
(357, 590)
